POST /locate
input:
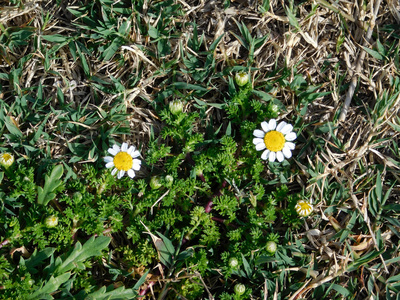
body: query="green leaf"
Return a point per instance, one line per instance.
(345, 292)
(374, 53)
(247, 267)
(119, 293)
(292, 19)
(52, 182)
(37, 259)
(187, 86)
(55, 38)
(153, 32)
(50, 287)
(12, 128)
(364, 260)
(81, 253)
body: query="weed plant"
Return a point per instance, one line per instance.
(206, 215)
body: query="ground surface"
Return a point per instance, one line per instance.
(78, 77)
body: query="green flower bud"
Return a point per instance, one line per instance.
(274, 108)
(169, 180)
(233, 262)
(51, 221)
(31, 282)
(241, 78)
(271, 247)
(176, 107)
(6, 160)
(155, 182)
(239, 289)
(77, 197)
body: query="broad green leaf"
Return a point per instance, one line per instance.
(55, 38)
(12, 128)
(80, 253)
(52, 182)
(37, 258)
(374, 53)
(345, 292)
(50, 287)
(247, 267)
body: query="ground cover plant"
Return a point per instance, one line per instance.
(178, 149)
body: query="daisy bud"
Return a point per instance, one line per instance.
(239, 289)
(271, 247)
(169, 180)
(176, 107)
(6, 160)
(51, 221)
(241, 78)
(155, 182)
(233, 262)
(273, 108)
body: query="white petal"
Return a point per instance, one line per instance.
(290, 145)
(124, 147)
(286, 151)
(286, 129)
(265, 127)
(291, 136)
(272, 156)
(120, 174)
(280, 126)
(257, 141)
(130, 150)
(265, 154)
(112, 151)
(110, 164)
(136, 164)
(131, 173)
(107, 159)
(279, 156)
(135, 154)
(114, 171)
(272, 124)
(258, 133)
(260, 146)
(116, 148)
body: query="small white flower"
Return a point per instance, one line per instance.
(275, 139)
(124, 160)
(51, 221)
(6, 160)
(303, 208)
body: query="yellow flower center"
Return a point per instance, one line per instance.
(123, 161)
(6, 157)
(274, 140)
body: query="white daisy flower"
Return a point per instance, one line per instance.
(124, 160)
(6, 160)
(275, 140)
(303, 208)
